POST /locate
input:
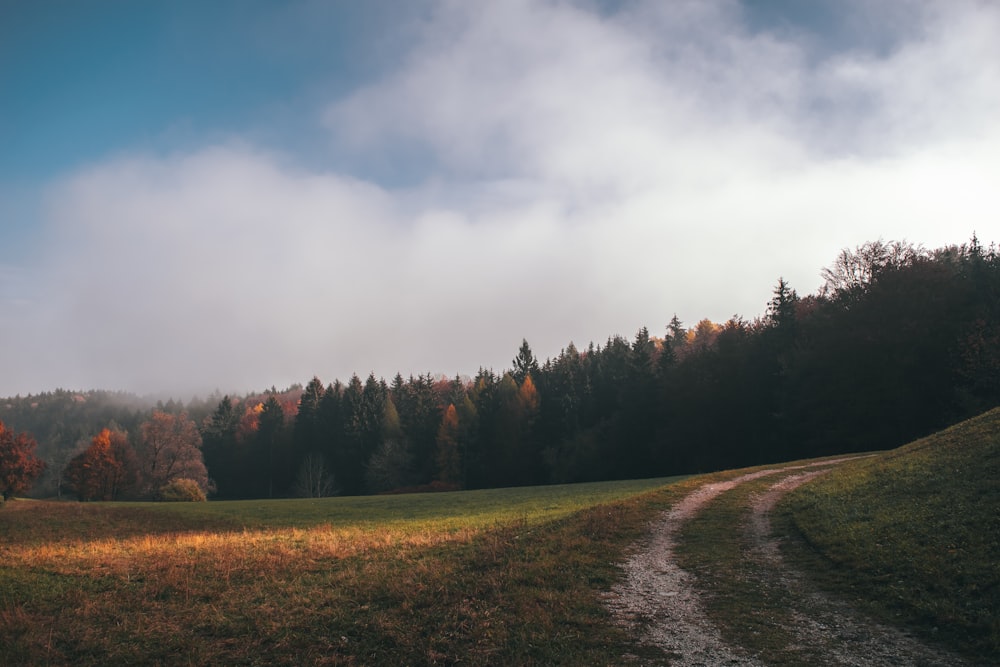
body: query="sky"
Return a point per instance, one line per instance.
(243, 194)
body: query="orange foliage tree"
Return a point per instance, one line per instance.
(106, 470)
(449, 458)
(19, 467)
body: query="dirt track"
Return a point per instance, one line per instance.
(665, 605)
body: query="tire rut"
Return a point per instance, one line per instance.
(821, 623)
(662, 603)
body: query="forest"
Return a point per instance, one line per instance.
(898, 342)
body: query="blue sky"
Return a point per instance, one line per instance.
(238, 194)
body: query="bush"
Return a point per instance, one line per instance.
(182, 490)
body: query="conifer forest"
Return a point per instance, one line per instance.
(899, 341)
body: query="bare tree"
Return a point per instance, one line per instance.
(313, 479)
(856, 269)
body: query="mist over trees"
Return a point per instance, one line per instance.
(899, 341)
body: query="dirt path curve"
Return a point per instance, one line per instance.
(825, 624)
(662, 601)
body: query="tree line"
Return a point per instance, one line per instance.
(898, 342)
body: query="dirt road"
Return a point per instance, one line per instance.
(665, 605)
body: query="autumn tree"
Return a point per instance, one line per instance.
(106, 470)
(19, 467)
(169, 449)
(449, 456)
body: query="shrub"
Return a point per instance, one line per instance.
(182, 490)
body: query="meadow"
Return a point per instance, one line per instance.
(913, 535)
(495, 577)
(506, 576)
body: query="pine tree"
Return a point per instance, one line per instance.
(307, 433)
(221, 451)
(524, 363)
(271, 443)
(781, 307)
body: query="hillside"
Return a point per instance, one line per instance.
(899, 343)
(915, 532)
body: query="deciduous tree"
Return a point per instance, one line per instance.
(106, 470)
(19, 467)
(169, 449)
(314, 480)
(449, 458)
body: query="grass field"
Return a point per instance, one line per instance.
(499, 577)
(914, 534)
(509, 576)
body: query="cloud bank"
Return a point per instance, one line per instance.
(557, 173)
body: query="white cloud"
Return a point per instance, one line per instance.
(589, 174)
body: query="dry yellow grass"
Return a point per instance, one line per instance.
(102, 584)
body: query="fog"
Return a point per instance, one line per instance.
(528, 170)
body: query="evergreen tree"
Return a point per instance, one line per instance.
(390, 465)
(349, 459)
(223, 457)
(524, 363)
(272, 446)
(332, 430)
(781, 307)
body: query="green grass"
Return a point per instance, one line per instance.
(914, 534)
(480, 508)
(501, 577)
(711, 547)
(510, 576)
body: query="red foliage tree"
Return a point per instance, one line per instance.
(19, 467)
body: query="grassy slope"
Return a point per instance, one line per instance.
(498, 577)
(914, 533)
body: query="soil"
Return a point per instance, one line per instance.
(664, 605)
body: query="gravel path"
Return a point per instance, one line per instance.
(663, 604)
